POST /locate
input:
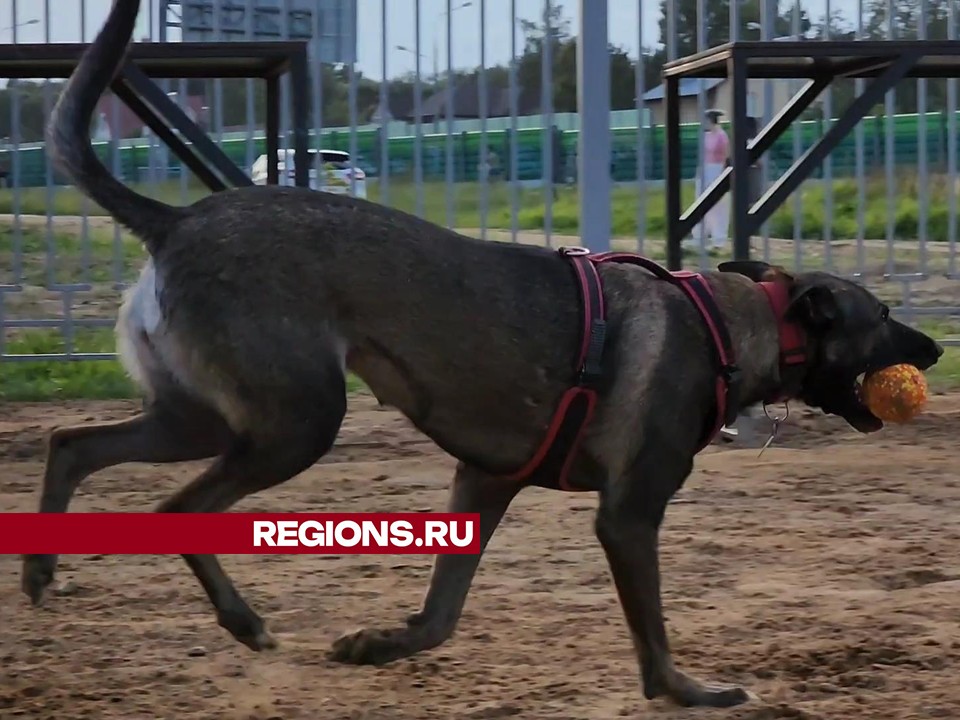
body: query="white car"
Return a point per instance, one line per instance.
(335, 170)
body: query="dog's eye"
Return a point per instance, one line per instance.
(884, 313)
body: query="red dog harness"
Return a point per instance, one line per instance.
(550, 464)
(793, 342)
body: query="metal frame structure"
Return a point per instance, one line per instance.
(882, 63)
(136, 88)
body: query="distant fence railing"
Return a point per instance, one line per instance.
(134, 160)
(887, 212)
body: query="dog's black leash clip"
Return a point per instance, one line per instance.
(775, 422)
(733, 378)
(592, 370)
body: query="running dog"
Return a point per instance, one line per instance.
(602, 375)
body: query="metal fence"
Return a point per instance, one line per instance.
(466, 112)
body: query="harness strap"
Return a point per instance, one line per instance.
(728, 375)
(593, 315)
(575, 410)
(700, 293)
(793, 342)
(554, 457)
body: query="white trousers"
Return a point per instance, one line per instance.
(716, 223)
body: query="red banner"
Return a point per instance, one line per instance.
(239, 533)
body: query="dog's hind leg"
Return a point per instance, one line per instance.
(264, 458)
(472, 492)
(172, 429)
(628, 522)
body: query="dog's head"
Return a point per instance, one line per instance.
(850, 332)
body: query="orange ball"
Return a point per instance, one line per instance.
(896, 393)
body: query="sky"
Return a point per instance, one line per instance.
(630, 22)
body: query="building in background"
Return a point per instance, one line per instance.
(718, 93)
(329, 25)
(113, 120)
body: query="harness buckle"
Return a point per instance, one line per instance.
(591, 372)
(732, 374)
(733, 378)
(572, 250)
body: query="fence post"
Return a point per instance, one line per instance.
(593, 140)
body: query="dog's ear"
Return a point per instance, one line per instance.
(756, 270)
(814, 306)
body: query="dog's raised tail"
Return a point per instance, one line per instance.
(68, 132)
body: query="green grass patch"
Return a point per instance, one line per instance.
(38, 257)
(69, 201)
(51, 380)
(60, 256)
(945, 375)
(628, 202)
(63, 379)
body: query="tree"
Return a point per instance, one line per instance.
(717, 27)
(555, 30)
(33, 108)
(717, 23)
(563, 58)
(906, 23)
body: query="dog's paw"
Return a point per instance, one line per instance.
(720, 697)
(246, 627)
(373, 647)
(37, 575)
(688, 692)
(259, 641)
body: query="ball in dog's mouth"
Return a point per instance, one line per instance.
(897, 393)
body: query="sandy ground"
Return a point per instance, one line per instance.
(824, 576)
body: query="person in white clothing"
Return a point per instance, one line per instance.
(715, 227)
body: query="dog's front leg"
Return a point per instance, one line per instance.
(473, 492)
(627, 526)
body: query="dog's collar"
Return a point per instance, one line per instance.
(793, 341)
